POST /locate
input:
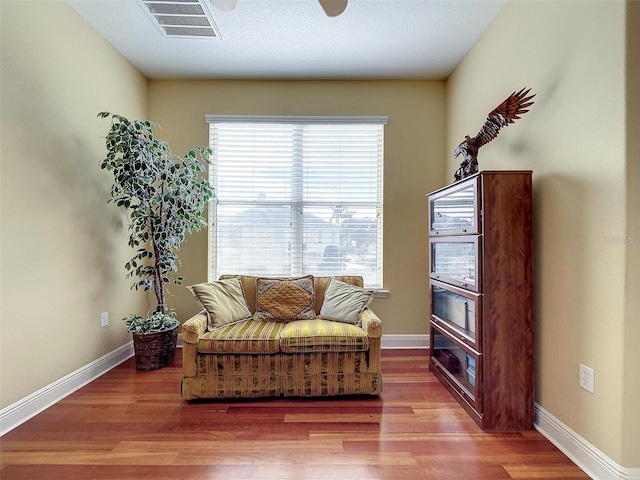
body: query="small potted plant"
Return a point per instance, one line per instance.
(164, 197)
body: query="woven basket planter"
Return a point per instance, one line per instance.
(155, 350)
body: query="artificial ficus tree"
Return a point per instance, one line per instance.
(163, 195)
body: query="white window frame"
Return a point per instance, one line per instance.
(212, 120)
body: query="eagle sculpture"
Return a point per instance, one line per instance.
(504, 114)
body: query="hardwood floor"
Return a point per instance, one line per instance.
(133, 425)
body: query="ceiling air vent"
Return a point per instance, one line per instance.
(182, 18)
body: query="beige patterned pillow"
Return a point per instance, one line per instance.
(285, 299)
(223, 301)
(344, 302)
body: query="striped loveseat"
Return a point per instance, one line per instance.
(258, 358)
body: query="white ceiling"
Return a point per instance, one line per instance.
(294, 39)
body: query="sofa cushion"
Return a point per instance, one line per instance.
(321, 284)
(320, 335)
(344, 302)
(285, 299)
(223, 301)
(248, 337)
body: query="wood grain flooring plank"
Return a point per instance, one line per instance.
(81, 457)
(379, 472)
(478, 446)
(525, 459)
(322, 410)
(544, 470)
(236, 447)
(298, 458)
(128, 472)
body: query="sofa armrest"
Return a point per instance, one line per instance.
(373, 326)
(371, 323)
(194, 328)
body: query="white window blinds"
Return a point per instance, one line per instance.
(297, 196)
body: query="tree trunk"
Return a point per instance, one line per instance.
(158, 283)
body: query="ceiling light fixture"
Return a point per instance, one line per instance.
(332, 8)
(224, 5)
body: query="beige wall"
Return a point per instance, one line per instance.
(631, 412)
(414, 139)
(62, 248)
(572, 54)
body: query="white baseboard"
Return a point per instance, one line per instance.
(28, 407)
(405, 341)
(595, 463)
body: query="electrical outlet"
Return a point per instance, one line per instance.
(104, 319)
(587, 378)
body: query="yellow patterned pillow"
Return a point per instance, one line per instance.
(285, 299)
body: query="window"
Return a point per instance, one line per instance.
(297, 196)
